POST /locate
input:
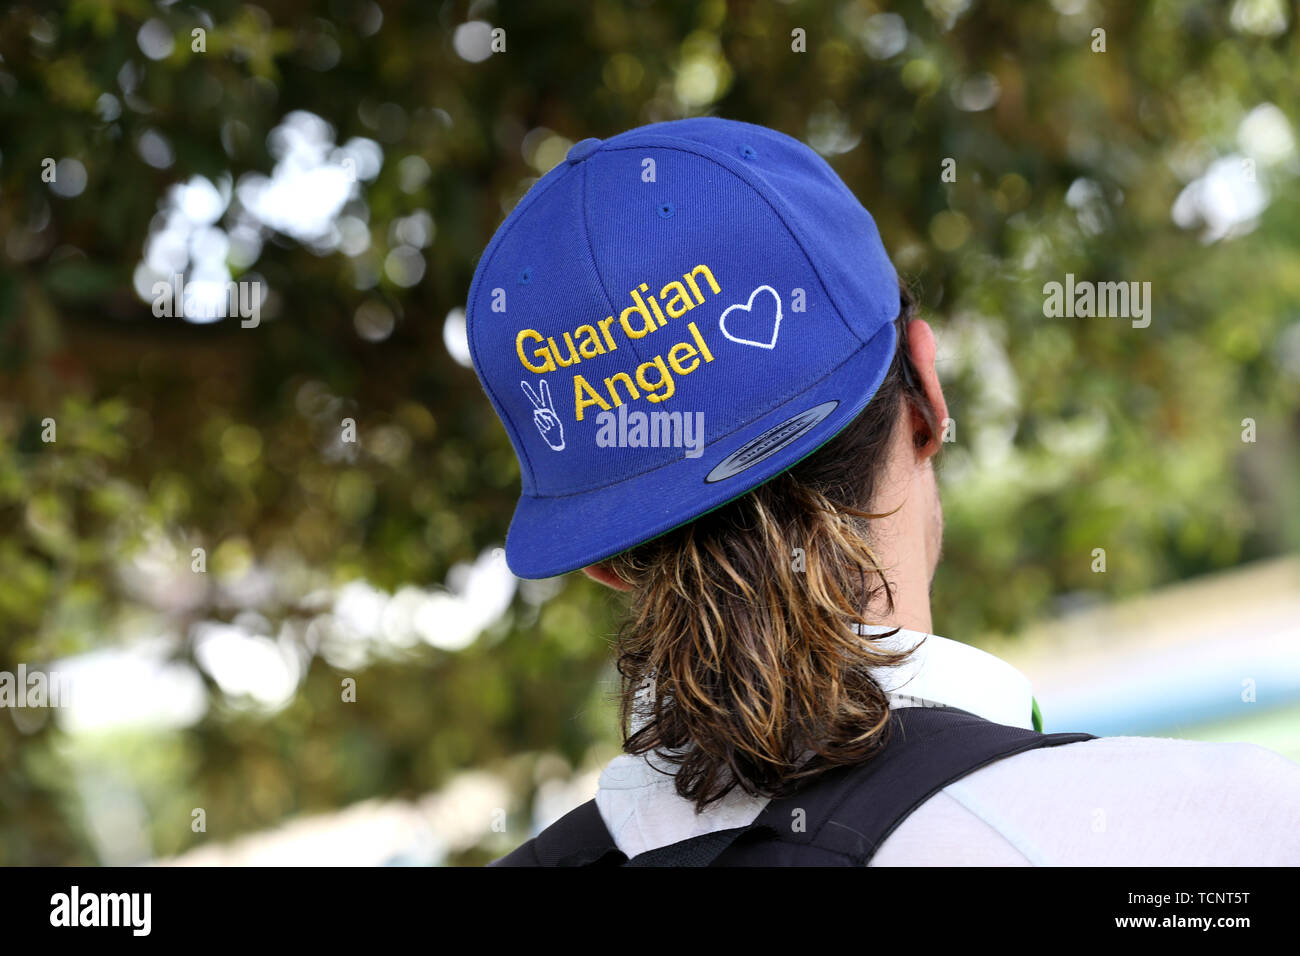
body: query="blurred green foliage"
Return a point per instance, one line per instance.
(1071, 434)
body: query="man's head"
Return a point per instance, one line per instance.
(720, 277)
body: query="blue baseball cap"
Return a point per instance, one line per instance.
(668, 319)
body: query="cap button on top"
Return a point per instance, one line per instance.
(581, 150)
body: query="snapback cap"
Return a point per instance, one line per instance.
(668, 319)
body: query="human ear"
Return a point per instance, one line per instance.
(921, 344)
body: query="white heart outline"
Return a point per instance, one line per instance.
(748, 307)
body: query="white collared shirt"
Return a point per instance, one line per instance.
(1112, 801)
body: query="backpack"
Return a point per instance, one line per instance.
(839, 818)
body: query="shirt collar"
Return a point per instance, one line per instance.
(946, 673)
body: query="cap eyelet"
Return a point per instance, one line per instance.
(665, 210)
(526, 276)
(748, 152)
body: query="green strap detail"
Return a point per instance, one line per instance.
(1037, 716)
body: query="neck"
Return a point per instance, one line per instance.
(911, 600)
(907, 543)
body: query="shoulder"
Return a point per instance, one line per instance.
(1217, 773)
(1120, 801)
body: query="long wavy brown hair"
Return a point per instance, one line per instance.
(741, 663)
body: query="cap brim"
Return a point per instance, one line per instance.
(554, 535)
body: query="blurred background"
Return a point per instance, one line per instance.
(278, 640)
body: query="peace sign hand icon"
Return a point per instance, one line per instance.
(544, 417)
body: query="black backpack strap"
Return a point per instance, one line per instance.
(579, 838)
(695, 851)
(850, 811)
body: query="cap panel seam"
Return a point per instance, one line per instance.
(591, 252)
(586, 225)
